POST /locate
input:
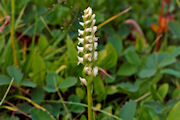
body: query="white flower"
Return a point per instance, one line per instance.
(81, 23)
(95, 71)
(81, 32)
(88, 11)
(93, 16)
(93, 22)
(81, 40)
(94, 29)
(88, 70)
(95, 38)
(80, 49)
(80, 60)
(95, 55)
(83, 80)
(89, 39)
(88, 47)
(95, 45)
(88, 56)
(88, 29)
(87, 22)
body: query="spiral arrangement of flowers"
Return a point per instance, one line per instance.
(87, 45)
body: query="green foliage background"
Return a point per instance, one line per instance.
(143, 84)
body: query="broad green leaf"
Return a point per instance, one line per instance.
(128, 86)
(174, 113)
(128, 110)
(28, 83)
(51, 82)
(80, 92)
(126, 69)
(167, 61)
(42, 43)
(116, 41)
(76, 108)
(37, 94)
(4, 80)
(163, 90)
(108, 57)
(15, 73)
(147, 72)
(171, 72)
(71, 52)
(175, 28)
(39, 68)
(99, 88)
(68, 82)
(38, 114)
(132, 57)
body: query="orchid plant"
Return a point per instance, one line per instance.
(87, 54)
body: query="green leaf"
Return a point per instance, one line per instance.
(38, 114)
(76, 108)
(132, 57)
(126, 69)
(174, 28)
(108, 57)
(37, 94)
(42, 43)
(128, 110)
(174, 113)
(68, 82)
(28, 83)
(171, 72)
(39, 68)
(80, 92)
(51, 82)
(15, 73)
(71, 52)
(163, 90)
(116, 41)
(167, 61)
(99, 89)
(4, 80)
(147, 72)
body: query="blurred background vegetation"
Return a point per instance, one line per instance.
(138, 60)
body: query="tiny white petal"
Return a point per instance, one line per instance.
(93, 22)
(89, 47)
(87, 22)
(88, 29)
(88, 56)
(81, 23)
(95, 55)
(81, 40)
(89, 39)
(88, 70)
(81, 32)
(83, 80)
(95, 38)
(80, 49)
(80, 60)
(94, 29)
(93, 16)
(95, 45)
(95, 71)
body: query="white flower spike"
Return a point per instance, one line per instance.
(87, 45)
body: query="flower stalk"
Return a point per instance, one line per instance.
(87, 54)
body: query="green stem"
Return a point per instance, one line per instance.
(89, 97)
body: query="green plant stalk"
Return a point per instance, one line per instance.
(7, 91)
(89, 97)
(13, 31)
